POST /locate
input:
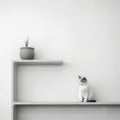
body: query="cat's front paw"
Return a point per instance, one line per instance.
(80, 100)
(85, 101)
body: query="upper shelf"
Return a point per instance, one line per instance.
(38, 62)
(69, 103)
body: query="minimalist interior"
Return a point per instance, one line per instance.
(50, 43)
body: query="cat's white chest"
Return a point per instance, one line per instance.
(83, 91)
(83, 88)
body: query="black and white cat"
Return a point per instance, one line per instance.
(86, 94)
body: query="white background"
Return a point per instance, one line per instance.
(84, 33)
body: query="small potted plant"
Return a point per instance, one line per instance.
(26, 52)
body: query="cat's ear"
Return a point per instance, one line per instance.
(84, 78)
(79, 77)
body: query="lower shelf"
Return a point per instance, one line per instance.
(69, 103)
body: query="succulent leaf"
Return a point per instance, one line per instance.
(26, 42)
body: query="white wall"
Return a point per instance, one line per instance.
(84, 33)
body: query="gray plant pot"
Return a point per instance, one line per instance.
(27, 53)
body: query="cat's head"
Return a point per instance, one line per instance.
(82, 80)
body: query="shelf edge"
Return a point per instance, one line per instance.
(68, 103)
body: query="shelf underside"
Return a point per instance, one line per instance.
(66, 112)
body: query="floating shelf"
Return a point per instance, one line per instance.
(38, 62)
(69, 103)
